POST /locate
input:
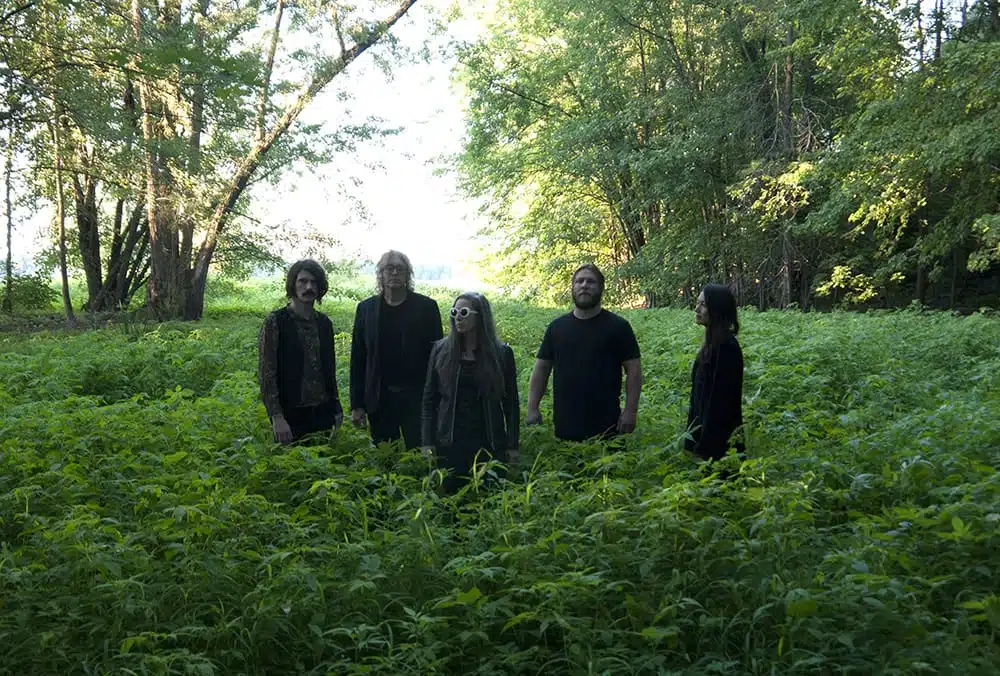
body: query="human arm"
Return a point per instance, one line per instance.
(332, 387)
(267, 375)
(628, 353)
(359, 359)
(633, 387)
(536, 388)
(722, 400)
(512, 405)
(437, 332)
(540, 377)
(429, 403)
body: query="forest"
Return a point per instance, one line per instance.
(805, 152)
(810, 153)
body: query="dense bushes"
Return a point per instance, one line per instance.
(148, 525)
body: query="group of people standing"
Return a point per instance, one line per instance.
(455, 396)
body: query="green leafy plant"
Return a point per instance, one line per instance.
(148, 524)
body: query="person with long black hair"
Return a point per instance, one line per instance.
(470, 394)
(716, 406)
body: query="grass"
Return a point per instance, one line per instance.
(147, 524)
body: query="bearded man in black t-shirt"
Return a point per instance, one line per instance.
(587, 349)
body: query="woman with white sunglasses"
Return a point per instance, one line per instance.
(470, 395)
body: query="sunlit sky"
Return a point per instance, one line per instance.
(410, 204)
(407, 206)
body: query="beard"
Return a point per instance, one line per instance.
(590, 302)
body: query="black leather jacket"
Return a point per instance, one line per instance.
(503, 415)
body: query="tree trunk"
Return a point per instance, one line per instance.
(920, 34)
(88, 231)
(804, 284)
(268, 69)
(921, 267)
(787, 130)
(938, 28)
(165, 290)
(786, 268)
(8, 301)
(61, 219)
(128, 256)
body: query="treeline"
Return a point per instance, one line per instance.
(804, 151)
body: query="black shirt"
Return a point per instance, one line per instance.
(390, 344)
(587, 357)
(469, 434)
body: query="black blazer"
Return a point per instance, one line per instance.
(423, 328)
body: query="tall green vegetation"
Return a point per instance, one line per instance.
(147, 525)
(802, 151)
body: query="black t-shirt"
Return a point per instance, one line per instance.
(391, 323)
(587, 357)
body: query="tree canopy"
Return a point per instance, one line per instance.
(801, 150)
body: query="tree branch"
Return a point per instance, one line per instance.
(268, 70)
(323, 76)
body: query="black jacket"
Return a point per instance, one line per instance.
(423, 328)
(502, 415)
(716, 406)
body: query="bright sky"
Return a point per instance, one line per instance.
(408, 207)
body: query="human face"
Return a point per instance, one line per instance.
(468, 322)
(306, 287)
(701, 310)
(394, 273)
(587, 291)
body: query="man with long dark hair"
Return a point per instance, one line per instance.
(391, 343)
(716, 405)
(296, 360)
(588, 348)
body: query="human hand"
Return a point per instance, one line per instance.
(626, 422)
(282, 430)
(533, 418)
(358, 417)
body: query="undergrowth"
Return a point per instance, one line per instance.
(148, 525)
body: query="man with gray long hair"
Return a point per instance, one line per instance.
(394, 331)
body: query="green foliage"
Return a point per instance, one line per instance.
(28, 292)
(149, 525)
(774, 146)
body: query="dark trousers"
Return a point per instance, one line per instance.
(309, 419)
(460, 462)
(398, 411)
